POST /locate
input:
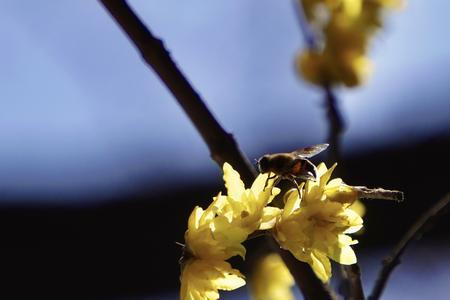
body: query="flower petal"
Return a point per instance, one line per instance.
(354, 221)
(325, 177)
(269, 217)
(341, 193)
(201, 279)
(194, 218)
(321, 265)
(292, 201)
(260, 183)
(235, 186)
(343, 255)
(358, 207)
(231, 279)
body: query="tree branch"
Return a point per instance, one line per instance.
(415, 231)
(378, 193)
(222, 145)
(352, 282)
(336, 124)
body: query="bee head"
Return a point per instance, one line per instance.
(263, 164)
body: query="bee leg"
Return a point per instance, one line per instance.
(265, 184)
(276, 180)
(269, 178)
(292, 179)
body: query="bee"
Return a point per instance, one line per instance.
(291, 165)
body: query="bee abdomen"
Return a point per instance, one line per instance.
(296, 168)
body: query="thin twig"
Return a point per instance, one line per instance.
(379, 193)
(336, 124)
(307, 34)
(416, 231)
(222, 145)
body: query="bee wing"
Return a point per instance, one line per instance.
(310, 151)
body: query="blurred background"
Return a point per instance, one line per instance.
(99, 166)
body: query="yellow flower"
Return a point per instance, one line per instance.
(201, 279)
(217, 233)
(352, 8)
(344, 29)
(210, 240)
(313, 68)
(314, 225)
(247, 208)
(212, 237)
(359, 208)
(395, 4)
(272, 280)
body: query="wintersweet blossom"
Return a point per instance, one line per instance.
(359, 208)
(247, 208)
(314, 225)
(210, 236)
(204, 269)
(201, 279)
(343, 29)
(271, 279)
(217, 233)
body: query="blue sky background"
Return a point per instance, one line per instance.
(82, 115)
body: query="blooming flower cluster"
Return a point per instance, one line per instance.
(217, 233)
(344, 29)
(314, 226)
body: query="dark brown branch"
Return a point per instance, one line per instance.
(335, 125)
(222, 145)
(416, 231)
(352, 275)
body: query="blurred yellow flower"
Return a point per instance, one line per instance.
(323, 69)
(312, 66)
(271, 280)
(201, 279)
(314, 225)
(343, 29)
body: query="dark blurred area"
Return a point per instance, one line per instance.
(125, 247)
